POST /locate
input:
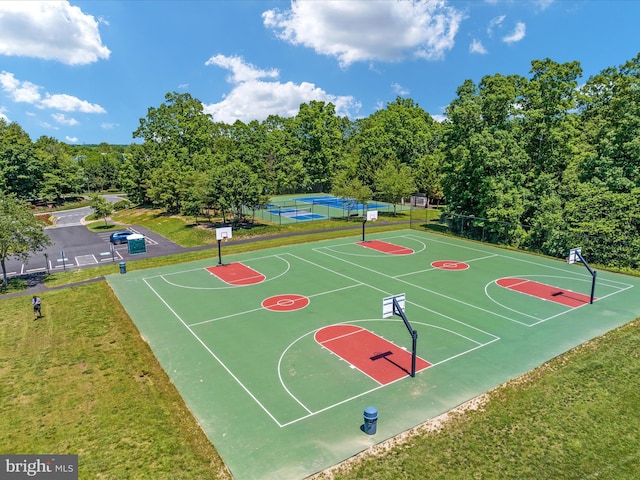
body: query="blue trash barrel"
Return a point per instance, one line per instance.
(123, 267)
(370, 420)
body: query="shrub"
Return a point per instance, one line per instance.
(122, 205)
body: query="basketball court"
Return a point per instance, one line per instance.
(278, 353)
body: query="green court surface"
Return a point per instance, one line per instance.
(239, 340)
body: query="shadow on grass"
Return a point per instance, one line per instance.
(22, 283)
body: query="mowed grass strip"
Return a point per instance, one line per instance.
(81, 380)
(576, 417)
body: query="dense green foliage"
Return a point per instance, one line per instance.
(21, 233)
(546, 163)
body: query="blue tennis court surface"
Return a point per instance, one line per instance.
(342, 203)
(294, 213)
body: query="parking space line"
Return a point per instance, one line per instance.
(83, 260)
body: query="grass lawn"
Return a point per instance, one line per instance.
(82, 380)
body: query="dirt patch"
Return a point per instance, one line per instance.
(435, 424)
(45, 218)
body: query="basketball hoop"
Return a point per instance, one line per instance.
(222, 235)
(372, 215)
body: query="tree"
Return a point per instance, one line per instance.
(395, 182)
(134, 174)
(58, 173)
(101, 207)
(402, 130)
(19, 173)
(351, 190)
(168, 185)
(320, 142)
(178, 128)
(235, 186)
(21, 234)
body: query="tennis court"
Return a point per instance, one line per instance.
(311, 207)
(277, 353)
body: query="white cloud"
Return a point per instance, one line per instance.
(240, 70)
(69, 139)
(518, 33)
(254, 99)
(51, 31)
(493, 23)
(3, 116)
(439, 118)
(399, 89)
(27, 92)
(68, 103)
(61, 118)
(477, 47)
(366, 30)
(24, 92)
(543, 4)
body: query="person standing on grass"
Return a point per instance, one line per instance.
(37, 307)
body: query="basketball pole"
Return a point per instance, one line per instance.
(219, 252)
(592, 272)
(414, 334)
(365, 221)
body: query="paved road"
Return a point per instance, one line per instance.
(74, 246)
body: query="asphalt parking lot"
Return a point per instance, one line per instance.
(74, 246)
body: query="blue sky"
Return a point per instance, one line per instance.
(85, 72)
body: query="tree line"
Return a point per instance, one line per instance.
(541, 162)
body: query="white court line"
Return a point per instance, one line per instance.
(375, 253)
(508, 257)
(417, 286)
(434, 268)
(356, 284)
(206, 347)
(199, 269)
(348, 399)
(262, 308)
(321, 250)
(386, 293)
(494, 338)
(226, 284)
(569, 309)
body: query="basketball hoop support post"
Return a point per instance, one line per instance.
(591, 271)
(370, 215)
(222, 233)
(414, 334)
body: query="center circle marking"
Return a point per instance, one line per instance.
(449, 265)
(285, 303)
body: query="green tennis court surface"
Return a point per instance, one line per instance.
(277, 353)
